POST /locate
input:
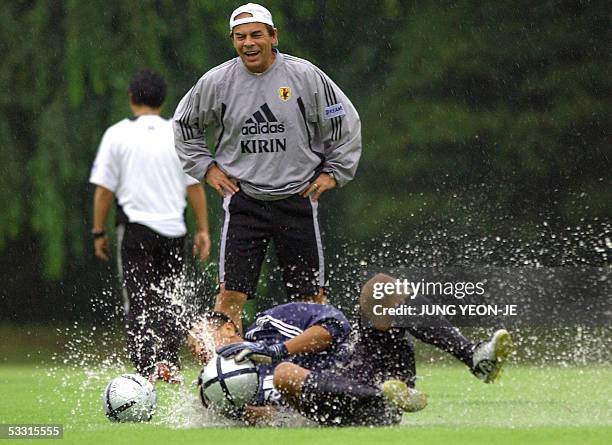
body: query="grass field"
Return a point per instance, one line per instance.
(531, 405)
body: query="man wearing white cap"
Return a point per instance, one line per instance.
(284, 134)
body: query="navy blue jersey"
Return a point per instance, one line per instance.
(286, 321)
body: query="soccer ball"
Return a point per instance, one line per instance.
(129, 398)
(225, 384)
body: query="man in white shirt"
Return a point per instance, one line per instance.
(137, 164)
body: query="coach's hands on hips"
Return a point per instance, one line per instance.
(322, 183)
(259, 352)
(220, 181)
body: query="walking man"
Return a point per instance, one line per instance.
(137, 163)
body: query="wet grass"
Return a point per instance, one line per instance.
(531, 405)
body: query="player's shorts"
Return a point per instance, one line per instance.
(291, 223)
(148, 264)
(331, 410)
(378, 356)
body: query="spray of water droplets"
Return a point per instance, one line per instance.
(94, 354)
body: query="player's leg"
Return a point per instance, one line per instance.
(244, 241)
(333, 399)
(299, 248)
(489, 357)
(231, 303)
(484, 360)
(169, 260)
(288, 381)
(134, 264)
(435, 330)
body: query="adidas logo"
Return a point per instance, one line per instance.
(262, 122)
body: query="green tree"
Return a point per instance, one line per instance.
(490, 110)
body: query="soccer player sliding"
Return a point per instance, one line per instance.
(305, 360)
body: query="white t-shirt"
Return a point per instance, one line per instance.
(136, 160)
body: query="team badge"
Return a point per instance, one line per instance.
(284, 93)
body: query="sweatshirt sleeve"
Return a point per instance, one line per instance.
(340, 128)
(193, 114)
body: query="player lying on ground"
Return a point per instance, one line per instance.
(304, 359)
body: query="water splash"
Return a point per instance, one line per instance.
(94, 354)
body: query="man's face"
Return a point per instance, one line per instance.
(254, 46)
(203, 339)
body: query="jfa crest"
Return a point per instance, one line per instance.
(284, 93)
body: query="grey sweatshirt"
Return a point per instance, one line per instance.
(272, 131)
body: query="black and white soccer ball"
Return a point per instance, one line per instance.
(129, 398)
(226, 385)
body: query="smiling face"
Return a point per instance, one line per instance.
(253, 43)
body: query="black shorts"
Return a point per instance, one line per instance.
(148, 264)
(376, 357)
(291, 223)
(346, 411)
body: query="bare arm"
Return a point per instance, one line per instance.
(201, 239)
(314, 339)
(103, 199)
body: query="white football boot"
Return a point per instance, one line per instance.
(407, 399)
(489, 356)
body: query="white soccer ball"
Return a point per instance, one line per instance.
(225, 384)
(129, 398)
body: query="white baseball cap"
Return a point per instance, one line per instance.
(259, 14)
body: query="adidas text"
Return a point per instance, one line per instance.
(263, 128)
(263, 146)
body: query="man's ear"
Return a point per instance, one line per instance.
(275, 42)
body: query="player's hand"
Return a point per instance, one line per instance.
(220, 181)
(101, 248)
(321, 184)
(201, 245)
(259, 352)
